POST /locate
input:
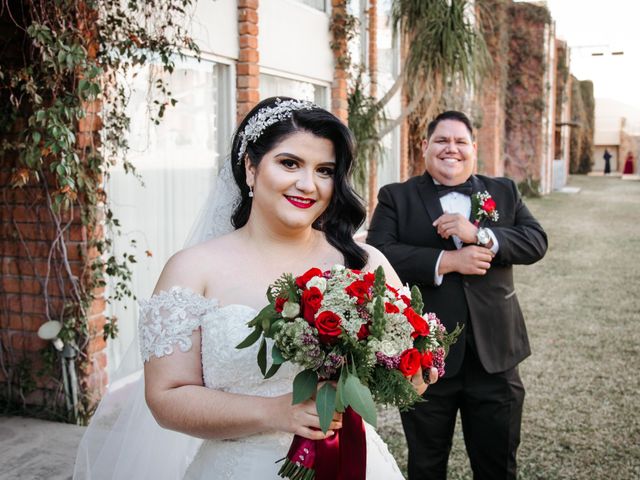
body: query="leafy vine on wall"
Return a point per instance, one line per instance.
(525, 102)
(63, 124)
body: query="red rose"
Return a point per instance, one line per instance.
(427, 360)
(420, 325)
(360, 290)
(406, 300)
(489, 205)
(409, 362)
(328, 325)
(302, 280)
(369, 278)
(280, 301)
(391, 308)
(364, 331)
(311, 300)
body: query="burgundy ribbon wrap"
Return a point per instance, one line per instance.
(342, 456)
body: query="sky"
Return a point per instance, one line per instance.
(605, 26)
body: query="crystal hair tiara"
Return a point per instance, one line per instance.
(267, 116)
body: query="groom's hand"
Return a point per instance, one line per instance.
(469, 260)
(450, 224)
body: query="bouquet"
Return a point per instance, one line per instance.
(366, 336)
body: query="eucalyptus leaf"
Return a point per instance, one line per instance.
(272, 371)
(276, 326)
(251, 339)
(266, 325)
(257, 320)
(326, 405)
(262, 357)
(276, 355)
(358, 397)
(340, 404)
(304, 386)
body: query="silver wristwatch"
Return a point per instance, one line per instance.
(482, 237)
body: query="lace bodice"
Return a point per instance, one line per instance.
(169, 319)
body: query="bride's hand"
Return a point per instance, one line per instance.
(418, 383)
(303, 420)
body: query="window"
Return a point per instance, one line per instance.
(272, 86)
(177, 161)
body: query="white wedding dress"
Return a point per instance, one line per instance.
(167, 321)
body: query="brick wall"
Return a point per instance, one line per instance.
(372, 22)
(43, 259)
(491, 134)
(247, 69)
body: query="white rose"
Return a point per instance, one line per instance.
(337, 268)
(290, 309)
(389, 348)
(319, 282)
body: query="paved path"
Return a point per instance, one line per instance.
(33, 449)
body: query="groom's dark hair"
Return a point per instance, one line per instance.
(345, 212)
(449, 115)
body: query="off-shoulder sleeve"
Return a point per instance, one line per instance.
(169, 318)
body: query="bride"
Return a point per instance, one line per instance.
(288, 208)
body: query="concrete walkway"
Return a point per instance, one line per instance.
(33, 449)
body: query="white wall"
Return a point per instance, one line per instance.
(609, 115)
(294, 39)
(215, 27)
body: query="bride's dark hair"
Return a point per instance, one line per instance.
(346, 211)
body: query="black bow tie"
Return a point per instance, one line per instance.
(464, 188)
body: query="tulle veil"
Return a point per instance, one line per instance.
(123, 439)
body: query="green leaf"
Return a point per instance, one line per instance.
(421, 344)
(340, 405)
(267, 312)
(276, 355)
(262, 357)
(276, 326)
(251, 339)
(266, 325)
(326, 405)
(304, 386)
(270, 295)
(272, 371)
(358, 397)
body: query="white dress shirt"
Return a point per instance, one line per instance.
(455, 202)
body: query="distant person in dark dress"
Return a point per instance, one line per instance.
(628, 164)
(607, 163)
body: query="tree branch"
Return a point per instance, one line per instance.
(392, 91)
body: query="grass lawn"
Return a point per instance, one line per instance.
(582, 306)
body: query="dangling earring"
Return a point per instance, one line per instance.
(250, 191)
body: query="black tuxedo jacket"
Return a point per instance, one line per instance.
(401, 227)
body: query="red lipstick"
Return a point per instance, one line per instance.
(300, 202)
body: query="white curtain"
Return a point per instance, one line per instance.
(272, 86)
(177, 161)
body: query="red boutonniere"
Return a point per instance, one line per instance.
(483, 207)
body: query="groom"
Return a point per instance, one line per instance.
(427, 229)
